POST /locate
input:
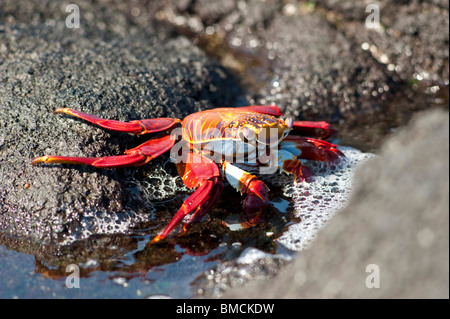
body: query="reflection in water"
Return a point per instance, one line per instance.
(157, 267)
(210, 253)
(209, 257)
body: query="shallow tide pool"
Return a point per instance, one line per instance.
(213, 256)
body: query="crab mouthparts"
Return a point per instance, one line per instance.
(270, 135)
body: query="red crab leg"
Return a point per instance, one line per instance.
(264, 109)
(316, 129)
(133, 157)
(311, 149)
(201, 172)
(136, 127)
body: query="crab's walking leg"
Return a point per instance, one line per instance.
(201, 172)
(316, 129)
(133, 157)
(257, 192)
(136, 127)
(264, 109)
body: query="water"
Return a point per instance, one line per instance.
(207, 260)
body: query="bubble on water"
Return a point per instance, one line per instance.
(251, 255)
(99, 221)
(159, 185)
(315, 203)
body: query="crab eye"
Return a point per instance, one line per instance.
(247, 135)
(289, 122)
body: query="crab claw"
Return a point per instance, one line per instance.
(199, 172)
(312, 149)
(257, 198)
(301, 172)
(256, 201)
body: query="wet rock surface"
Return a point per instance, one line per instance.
(142, 59)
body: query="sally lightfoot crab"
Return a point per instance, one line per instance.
(206, 147)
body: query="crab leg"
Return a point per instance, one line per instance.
(264, 109)
(133, 157)
(137, 127)
(257, 192)
(201, 172)
(316, 129)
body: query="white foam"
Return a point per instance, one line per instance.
(251, 255)
(315, 203)
(159, 185)
(102, 222)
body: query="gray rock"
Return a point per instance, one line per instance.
(121, 73)
(397, 220)
(413, 40)
(319, 73)
(319, 60)
(290, 57)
